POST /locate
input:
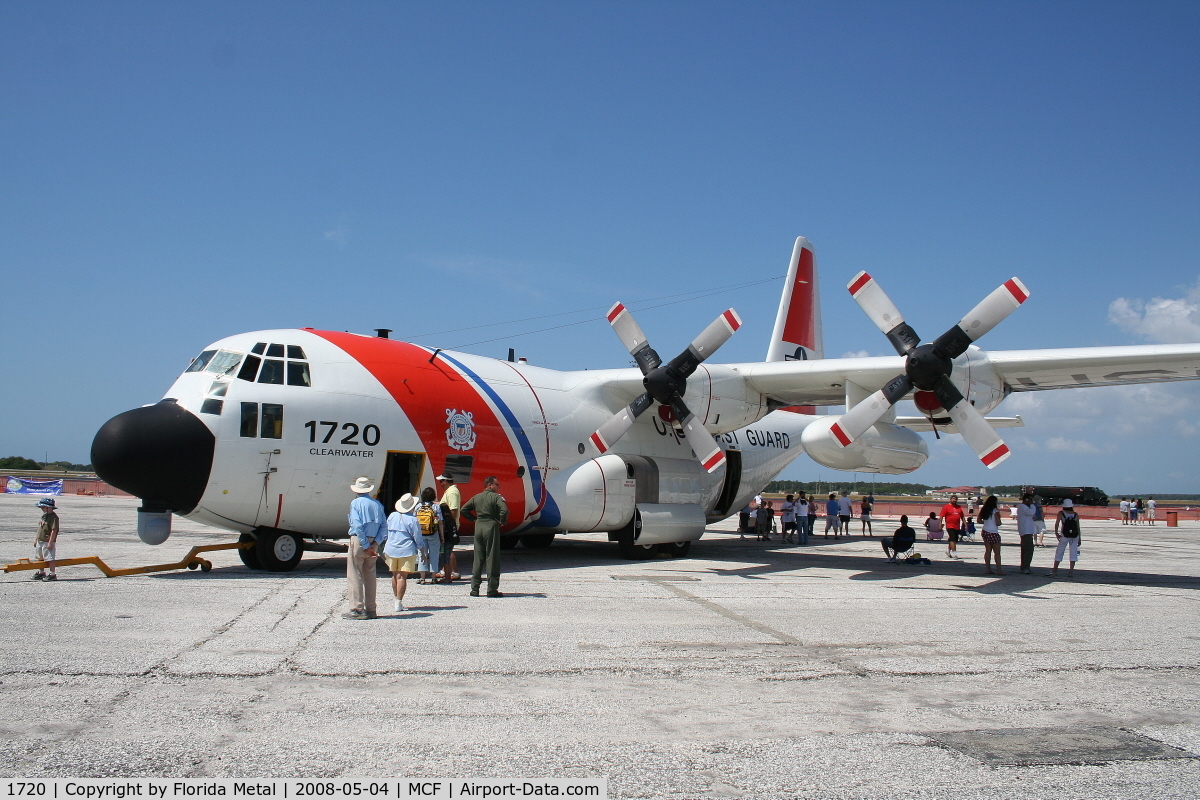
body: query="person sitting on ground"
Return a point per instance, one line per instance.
(901, 541)
(933, 527)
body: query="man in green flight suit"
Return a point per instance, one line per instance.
(488, 511)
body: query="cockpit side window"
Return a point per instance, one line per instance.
(295, 351)
(225, 362)
(272, 372)
(201, 361)
(272, 421)
(259, 348)
(249, 369)
(249, 428)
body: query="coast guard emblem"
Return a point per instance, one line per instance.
(460, 433)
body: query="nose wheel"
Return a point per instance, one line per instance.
(278, 551)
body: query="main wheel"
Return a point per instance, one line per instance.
(537, 539)
(676, 549)
(279, 551)
(248, 555)
(634, 551)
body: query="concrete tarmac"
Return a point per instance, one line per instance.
(748, 669)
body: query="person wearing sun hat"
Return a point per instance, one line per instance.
(47, 537)
(368, 531)
(403, 543)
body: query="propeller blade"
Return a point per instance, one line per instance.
(883, 312)
(855, 422)
(981, 436)
(617, 425)
(716, 334)
(701, 441)
(631, 335)
(990, 312)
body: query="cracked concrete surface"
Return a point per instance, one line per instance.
(746, 670)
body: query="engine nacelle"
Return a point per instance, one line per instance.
(883, 448)
(596, 495)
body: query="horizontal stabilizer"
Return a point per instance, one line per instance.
(923, 425)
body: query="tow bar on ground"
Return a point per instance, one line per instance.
(190, 561)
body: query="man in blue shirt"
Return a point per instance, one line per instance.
(368, 528)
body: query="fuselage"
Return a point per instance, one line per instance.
(296, 416)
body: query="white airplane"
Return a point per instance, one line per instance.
(265, 431)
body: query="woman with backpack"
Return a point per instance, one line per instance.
(1066, 528)
(429, 516)
(989, 518)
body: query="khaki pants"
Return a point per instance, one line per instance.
(360, 578)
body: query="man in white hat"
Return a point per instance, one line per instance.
(368, 528)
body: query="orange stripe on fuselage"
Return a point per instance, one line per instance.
(424, 391)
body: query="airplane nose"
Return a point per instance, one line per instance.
(161, 453)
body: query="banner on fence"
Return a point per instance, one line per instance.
(14, 485)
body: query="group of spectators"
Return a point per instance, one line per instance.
(798, 516)
(418, 538)
(1031, 528)
(1133, 510)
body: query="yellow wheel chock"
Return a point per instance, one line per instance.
(190, 561)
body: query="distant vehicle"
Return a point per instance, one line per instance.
(1080, 495)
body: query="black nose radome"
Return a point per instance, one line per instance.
(161, 453)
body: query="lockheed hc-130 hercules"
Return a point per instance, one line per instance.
(264, 431)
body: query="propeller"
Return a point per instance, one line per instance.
(666, 383)
(928, 366)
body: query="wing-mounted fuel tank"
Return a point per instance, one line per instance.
(883, 448)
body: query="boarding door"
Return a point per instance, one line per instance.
(401, 476)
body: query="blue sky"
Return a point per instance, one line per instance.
(173, 173)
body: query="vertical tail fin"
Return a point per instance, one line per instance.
(797, 334)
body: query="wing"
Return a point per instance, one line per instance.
(822, 382)
(1038, 370)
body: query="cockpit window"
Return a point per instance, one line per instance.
(224, 362)
(293, 373)
(249, 369)
(218, 389)
(272, 372)
(201, 361)
(297, 374)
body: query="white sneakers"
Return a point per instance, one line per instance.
(399, 606)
